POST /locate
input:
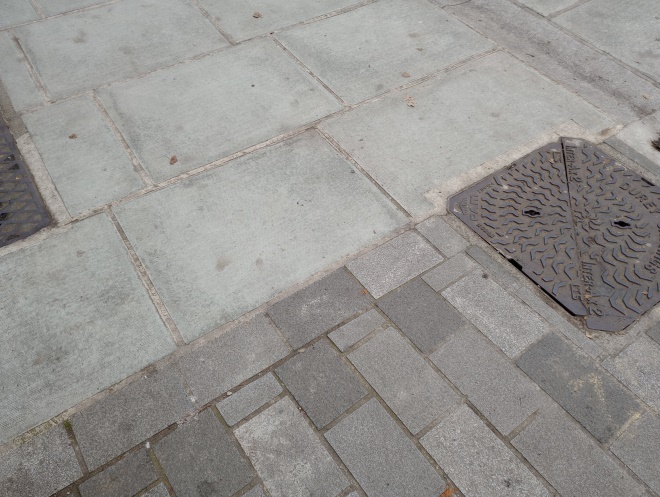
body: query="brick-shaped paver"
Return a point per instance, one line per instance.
(449, 271)
(232, 358)
(509, 324)
(638, 367)
(249, 398)
(570, 460)
(546, 7)
(655, 333)
(125, 418)
(639, 449)
(423, 315)
(159, 490)
(313, 310)
(355, 330)
(18, 83)
(414, 391)
(443, 236)
(392, 264)
(321, 383)
(287, 454)
(495, 386)
(200, 458)
(127, 477)
(41, 466)
(590, 394)
(477, 461)
(383, 460)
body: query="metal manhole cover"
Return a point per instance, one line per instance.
(580, 225)
(22, 211)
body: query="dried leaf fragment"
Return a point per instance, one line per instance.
(73, 136)
(409, 100)
(173, 160)
(405, 74)
(257, 15)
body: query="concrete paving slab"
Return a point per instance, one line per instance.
(76, 320)
(639, 135)
(368, 50)
(633, 24)
(287, 455)
(354, 331)
(222, 243)
(249, 398)
(81, 51)
(380, 456)
(443, 236)
(459, 120)
(51, 8)
(15, 77)
(127, 477)
(223, 104)
(16, 12)
(449, 271)
(239, 19)
(41, 466)
(89, 170)
(477, 461)
(546, 7)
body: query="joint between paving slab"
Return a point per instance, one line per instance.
(37, 9)
(213, 22)
(162, 477)
(76, 447)
(31, 69)
(556, 13)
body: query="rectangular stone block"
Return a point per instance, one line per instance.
(14, 74)
(354, 331)
(494, 386)
(249, 398)
(127, 477)
(423, 315)
(579, 385)
(287, 455)
(443, 236)
(112, 43)
(16, 12)
(129, 416)
(232, 358)
(392, 264)
(449, 271)
(512, 326)
(159, 490)
(477, 461)
(311, 311)
(41, 466)
(414, 391)
(570, 460)
(493, 265)
(76, 319)
(380, 456)
(321, 383)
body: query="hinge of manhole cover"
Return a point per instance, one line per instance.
(581, 226)
(22, 211)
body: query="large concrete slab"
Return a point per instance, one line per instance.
(368, 50)
(50, 7)
(84, 50)
(76, 319)
(459, 120)
(222, 243)
(627, 30)
(15, 77)
(238, 18)
(215, 106)
(90, 170)
(16, 12)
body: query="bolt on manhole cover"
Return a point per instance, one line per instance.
(22, 211)
(581, 226)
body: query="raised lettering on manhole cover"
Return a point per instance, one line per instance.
(580, 225)
(21, 210)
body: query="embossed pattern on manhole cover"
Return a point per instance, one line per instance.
(581, 226)
(22, 211)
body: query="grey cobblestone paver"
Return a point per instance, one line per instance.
(570, 460)
(126, 477)
(249, 398)
(383, 460)
(590, 394)
(477, 461)
(449, 271)
(414, 391)
(443, 236)
(493, 266)
(321, 383)
(125, 418)
(255, 492)
(312, 311)
(495, 386)
(355, 330)
(199, 458)
(287, 455)
(423, 315)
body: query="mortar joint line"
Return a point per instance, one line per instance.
(213, 22)
(37, 9)
(31, 69)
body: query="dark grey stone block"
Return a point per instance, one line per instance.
(125, 418)
(321, 383)
(443, 236)
(591, 395)
(200, 459)
(423, 315)
(655, 333)
(313, 310)
(249, 398)
(127, 477)
(159, 490)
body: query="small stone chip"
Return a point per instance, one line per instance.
(257, 15)
(73, 136)
(405, 74)
(173, 160)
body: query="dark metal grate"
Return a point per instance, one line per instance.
(580, 225)
(22, 211)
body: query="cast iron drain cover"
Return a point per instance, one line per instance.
(581, 226)
(21, 210)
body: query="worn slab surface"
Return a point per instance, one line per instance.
(16, 12)
(127, 477)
